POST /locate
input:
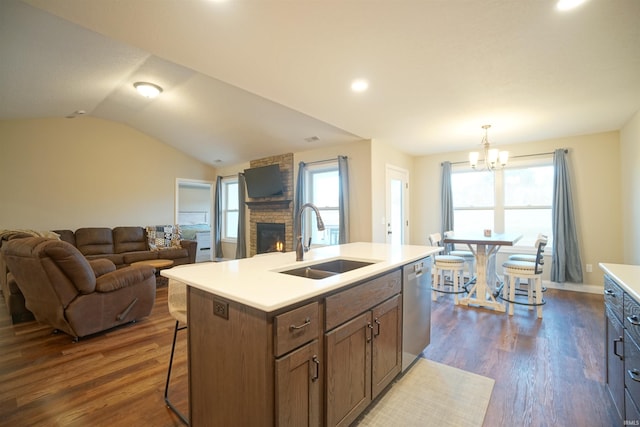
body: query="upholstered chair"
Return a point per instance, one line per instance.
(80, 297)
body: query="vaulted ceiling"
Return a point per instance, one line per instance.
(246, 79)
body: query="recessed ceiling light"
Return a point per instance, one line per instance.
(359, 85)
(148, 90)
(564, 5)
(76, 114)
(312, 139)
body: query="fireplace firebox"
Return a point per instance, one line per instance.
(270, 238)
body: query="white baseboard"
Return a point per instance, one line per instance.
(575, 287)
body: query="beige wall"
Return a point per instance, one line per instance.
(630, 188)
(594, 162)
(72, 173)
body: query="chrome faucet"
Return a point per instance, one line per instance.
(300, 247)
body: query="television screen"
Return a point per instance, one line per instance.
(264, 181)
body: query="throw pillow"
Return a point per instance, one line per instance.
(163, 237)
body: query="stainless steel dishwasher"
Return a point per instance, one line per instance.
(416, 310)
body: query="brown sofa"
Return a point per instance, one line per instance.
(121, 245)
(72, 294)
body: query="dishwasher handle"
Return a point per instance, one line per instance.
(418, 269)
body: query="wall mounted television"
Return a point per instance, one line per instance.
(264, 181)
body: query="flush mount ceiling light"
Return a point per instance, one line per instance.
(568, 4)
(492, 156)
(148, 90)
(359, 85)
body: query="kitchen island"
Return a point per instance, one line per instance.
(270, 348)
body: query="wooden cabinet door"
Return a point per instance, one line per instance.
(348, 370)
(298, 387)
(615, 364)
(387, 344)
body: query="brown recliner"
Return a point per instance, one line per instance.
(80, 297)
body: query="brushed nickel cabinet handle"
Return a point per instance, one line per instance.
(306, 323)
(369, 331)
(316, 363)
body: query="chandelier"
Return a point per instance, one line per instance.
(493, 158)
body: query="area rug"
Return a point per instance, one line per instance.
(432, 394)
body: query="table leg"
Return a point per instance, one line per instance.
(481, 293)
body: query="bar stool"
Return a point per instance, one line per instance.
(447, 263)
(469, 259)
(177, 301)
(527, 257)
(514, 271)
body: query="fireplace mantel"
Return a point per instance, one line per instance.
(268, 204)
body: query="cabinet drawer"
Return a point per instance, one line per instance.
(296, 327)
(632, 414)
(631, 367)
(348, 304)
(613, 297)
(631, 319)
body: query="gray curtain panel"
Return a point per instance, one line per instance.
(447, 199)
(217, 215)
(566, 265)
(344, 199)
(241, 245)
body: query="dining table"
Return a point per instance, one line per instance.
(484, 246)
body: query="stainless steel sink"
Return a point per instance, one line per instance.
(309, 273)
(327, 268)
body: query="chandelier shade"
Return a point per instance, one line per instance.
(493, 158)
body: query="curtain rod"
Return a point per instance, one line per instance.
(306, 163)
(566, 150)
(322, 161)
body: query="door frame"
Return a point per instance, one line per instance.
(394, 172)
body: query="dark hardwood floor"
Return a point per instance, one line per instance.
(111, 379)
(548, 372)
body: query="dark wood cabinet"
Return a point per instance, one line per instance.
(298, 387)
(348, 390)
(386, 344)
(363, 356)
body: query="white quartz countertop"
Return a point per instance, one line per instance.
(257, 282)
(627, 276)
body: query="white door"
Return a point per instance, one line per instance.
(194, 207)
(397, 221)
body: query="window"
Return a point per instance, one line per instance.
(515, 199)
(230, 209)
(323, 189)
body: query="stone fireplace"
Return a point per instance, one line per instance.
(266, 213)
(270, 237)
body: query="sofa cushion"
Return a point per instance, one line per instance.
(117, 259)
(95, 241)
(131, 257)
(173, 253)
(66, 236)
(102, 266)
(129, 239)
